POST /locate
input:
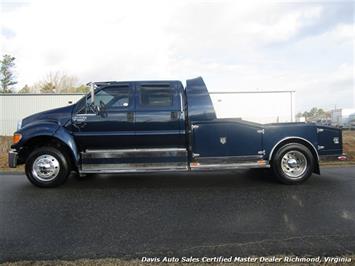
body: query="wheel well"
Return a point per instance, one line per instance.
(41, 141)
(304, 143)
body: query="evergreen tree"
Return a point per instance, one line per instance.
(7, 78)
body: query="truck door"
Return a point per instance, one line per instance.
(158, 116)
(112, 126)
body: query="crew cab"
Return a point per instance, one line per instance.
(153, 126)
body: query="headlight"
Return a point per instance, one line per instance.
(19, 124)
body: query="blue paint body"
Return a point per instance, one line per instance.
(188, 122)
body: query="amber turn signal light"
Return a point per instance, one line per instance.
(16, 138)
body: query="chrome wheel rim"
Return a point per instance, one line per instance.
(294, 164)
(45, 168)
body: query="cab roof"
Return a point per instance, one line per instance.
(148, 82)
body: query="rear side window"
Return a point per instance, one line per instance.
(156, 96)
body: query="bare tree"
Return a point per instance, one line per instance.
(56, 82)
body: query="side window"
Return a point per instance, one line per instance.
(103, 96)
(115, 98)
(156, 96)
(112, 98)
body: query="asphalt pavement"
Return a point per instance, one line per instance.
(202, 214)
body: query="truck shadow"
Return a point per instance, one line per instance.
(240, 178)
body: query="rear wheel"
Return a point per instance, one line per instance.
(47, 167)
(293, 163)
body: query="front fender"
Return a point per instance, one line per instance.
(50, 129)
(34, 130)
(65, 136)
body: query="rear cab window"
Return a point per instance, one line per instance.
(157, 97)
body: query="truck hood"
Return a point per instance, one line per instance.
(59, 115)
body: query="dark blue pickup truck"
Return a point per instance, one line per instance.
(151, 126)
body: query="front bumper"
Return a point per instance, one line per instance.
(13, 155)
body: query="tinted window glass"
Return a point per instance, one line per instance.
(103, 96)
(114, 97)
(156, 96)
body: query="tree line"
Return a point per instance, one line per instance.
(315, 114)
(56, 82)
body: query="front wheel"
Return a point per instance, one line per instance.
(293, 163)
(47, 167)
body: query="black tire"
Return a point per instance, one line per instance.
(283, 170)
(62, 167)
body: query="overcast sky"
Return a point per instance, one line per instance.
(233, 45)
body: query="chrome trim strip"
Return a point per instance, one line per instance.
(138, 150)
(141, 156)
(102, 133)
(89, 114)
(175, 169)
(120, 168)
(135, 153)
(114, 171)
(163, 132)
(129, 155)
(128, 132)
(229, 166)
(229, 159)
(292, 137)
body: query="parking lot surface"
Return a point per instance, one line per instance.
(202, 214)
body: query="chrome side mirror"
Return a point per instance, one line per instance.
(92, 92)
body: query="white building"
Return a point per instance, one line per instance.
(255, 106)
(14, 107)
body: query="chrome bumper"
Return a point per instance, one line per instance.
(13, 158)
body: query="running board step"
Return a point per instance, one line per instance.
(229, 162)
(133, 160)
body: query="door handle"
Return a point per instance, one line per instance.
(174, 115)
(79, 124)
